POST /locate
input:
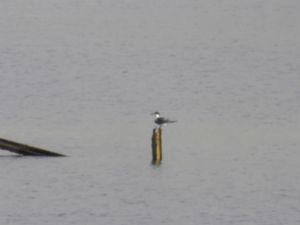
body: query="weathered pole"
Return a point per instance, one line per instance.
(156, 146)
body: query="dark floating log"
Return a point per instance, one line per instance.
(156, 146)
(25, 149)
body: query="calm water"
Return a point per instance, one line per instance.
(82, 77)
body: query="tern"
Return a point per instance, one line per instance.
(161, 120)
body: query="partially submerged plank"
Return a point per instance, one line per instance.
(24, 149)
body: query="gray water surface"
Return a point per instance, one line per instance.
(82, 77)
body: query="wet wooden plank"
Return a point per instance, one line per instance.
(24, 149)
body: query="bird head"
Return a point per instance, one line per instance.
(156, 114)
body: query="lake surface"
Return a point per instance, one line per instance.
(82, 77)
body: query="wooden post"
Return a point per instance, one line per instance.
(156, 146)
